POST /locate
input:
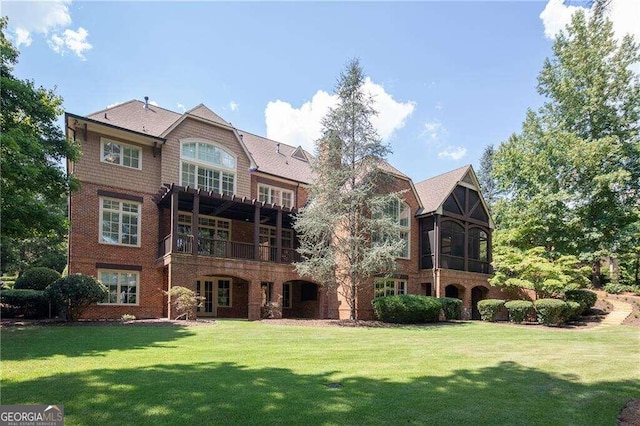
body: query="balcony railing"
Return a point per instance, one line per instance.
(227, 249)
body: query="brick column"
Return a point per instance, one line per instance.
(254, 300)
(277, 297)
(174, 220)
(256, 233)
(279, 237)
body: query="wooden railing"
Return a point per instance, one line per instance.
(226, 249)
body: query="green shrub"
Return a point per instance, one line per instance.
(519, 310)
(452, 307)
(586, 298)
(36, 278)
(574, 310)
(617, 288)
(407, 309)
(490, 309)
(26, 303)
(551, 311)
(74, 293)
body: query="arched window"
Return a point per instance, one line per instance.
(207, 166)
(452, 245)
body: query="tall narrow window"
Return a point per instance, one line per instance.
(208, 166)
(286, 295)
(400, 213)
(120, 222)
(224, 293)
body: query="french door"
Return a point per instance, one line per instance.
(216, 293)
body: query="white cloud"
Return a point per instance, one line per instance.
(154, 103)
(453, 152)
(181, 107)
(51, 19)
(114, 104)
(624, 14)
(302, 126)
(233, 106)
(433, 129)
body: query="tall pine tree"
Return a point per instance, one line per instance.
(348, 233)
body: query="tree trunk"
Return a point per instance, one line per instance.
(595, 279)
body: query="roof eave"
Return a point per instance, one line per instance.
(73, 120)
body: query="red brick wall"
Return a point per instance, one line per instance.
(86, 251)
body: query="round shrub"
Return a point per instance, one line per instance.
(452, 307)
(36, 278)
(551, 311)
(574, 310)
(586, 298)
(407, 309)
(26, 303)
(519, 310)
(490, 309)
(74, 293)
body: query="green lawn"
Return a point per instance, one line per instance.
(238, 372)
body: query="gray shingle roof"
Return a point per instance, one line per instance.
(134, 116)
(203, 112)
(434, 191)
(276, 158)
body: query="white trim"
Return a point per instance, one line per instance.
(209, 166)
(118, 272)
(407, 228)
(396, 286)
(122, 145)
(139, 224)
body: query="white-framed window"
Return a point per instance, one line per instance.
(275, 195)
(400, 212)
(120, 154)
(207, 166)
(224, 293)
(120, 222)
(389, 287)
(123, 286)
(286, 295)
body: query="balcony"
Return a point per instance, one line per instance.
(227, 249)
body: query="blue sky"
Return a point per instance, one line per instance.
(449, 78)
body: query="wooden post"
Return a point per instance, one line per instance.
(195, 222)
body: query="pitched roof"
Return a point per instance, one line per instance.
(203, 112)
(277, 158)
(434, 191)
(134, 116)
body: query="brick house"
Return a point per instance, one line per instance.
(170, 199)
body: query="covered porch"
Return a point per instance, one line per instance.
(202, 223)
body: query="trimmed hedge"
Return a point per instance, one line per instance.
(586, 298)
(519, 310)
(452, 308)
(74, 293)
(407, 309)
(36, 278)
(27, 303)
(490, 309)
(574, 310)
(552, 311)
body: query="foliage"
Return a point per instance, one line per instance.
(571, 177)
(586, 298)
(128, 317)
(485, 176)
(551, 311)
(185, 301)
(31, 150)
(574, 310)
(452, 307)
(620, 288)
(271, 310)
(349, 220)
(73, 294)
(519, 310)
(27, 303)
(535, 270)
(407, 309)
(490, 309)
(36, 278)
